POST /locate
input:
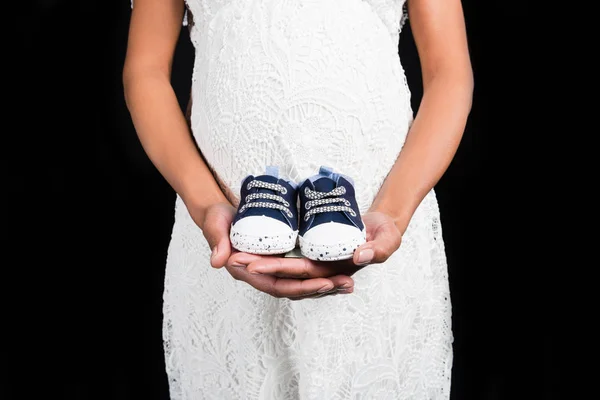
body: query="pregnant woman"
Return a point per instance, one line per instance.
(299, 84)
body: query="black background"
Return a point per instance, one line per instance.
(93, 217)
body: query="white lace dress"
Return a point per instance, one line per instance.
(300, 84)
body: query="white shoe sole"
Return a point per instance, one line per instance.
(262, 235)
(342, 250)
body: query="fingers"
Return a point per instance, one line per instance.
(240, 259)
(333, 292)
(302, 268)
(341, 285)
(290, 288)
(382, 244)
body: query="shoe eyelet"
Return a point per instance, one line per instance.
(347, 203)
(306, 218)
(307, 205)
(353, 213)
(247, 198)
(248, 186)
(343, 189)
(284, 191)
(289, 214)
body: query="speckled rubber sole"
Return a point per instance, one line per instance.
(263, 245)
(330, 252)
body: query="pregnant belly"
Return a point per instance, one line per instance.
(298, 84)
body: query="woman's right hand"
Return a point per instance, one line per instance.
(215, 223)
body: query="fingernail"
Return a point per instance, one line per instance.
(365, 256)
(214, 252)
(345, 291)
(258, 270)
(345, 286)
(325, 288)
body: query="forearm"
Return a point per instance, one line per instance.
(430, 146)
(164, 134)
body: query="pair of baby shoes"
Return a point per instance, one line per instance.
(321, 214)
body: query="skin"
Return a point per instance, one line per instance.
(439, 32)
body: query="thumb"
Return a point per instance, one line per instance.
(217, 235)
(386, 240)
(220, 252)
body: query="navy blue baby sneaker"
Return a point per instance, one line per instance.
(267, 218)
(330, 224)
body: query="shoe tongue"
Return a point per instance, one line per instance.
(271, 175)
(267, 178)
(324, 184)
(272, 170)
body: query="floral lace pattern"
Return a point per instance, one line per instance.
(300, 84)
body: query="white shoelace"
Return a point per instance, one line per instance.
(319, 198)
(284, 206)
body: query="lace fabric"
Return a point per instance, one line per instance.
(300, 84)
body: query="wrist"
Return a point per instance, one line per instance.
(401, 215)
(199, 198)
(200, 208)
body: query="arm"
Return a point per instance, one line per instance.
(158, 119)
(439, 31)
(164, 133)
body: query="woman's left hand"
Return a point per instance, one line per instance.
(383, 239)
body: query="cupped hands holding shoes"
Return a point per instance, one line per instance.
(335, 241)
